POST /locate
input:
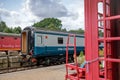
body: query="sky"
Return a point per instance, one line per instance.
(26, 12)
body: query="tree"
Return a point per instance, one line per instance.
(8, 30)
(64, 29)
(79, 31)
(49, 23)
(2, 26)
(5, 28)
(17, 30)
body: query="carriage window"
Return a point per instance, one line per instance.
(39, 39)
(60, 40)
(2, 37)
(15, 38)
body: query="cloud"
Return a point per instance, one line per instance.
(47, 8)
(70, 13)
(70, 24)
(12, 18)
(4, 12)
(77, 20)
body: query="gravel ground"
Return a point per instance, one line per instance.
(44, 73)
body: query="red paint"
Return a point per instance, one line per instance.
(79, 72)
(46, 37)
(9, 42)
(111, 27)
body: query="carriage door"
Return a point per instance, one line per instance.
(39, 46)
(24, 42)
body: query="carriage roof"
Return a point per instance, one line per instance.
(46, 31)
(9, 34)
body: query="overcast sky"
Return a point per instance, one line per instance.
(26, 12)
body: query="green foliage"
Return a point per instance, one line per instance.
(17, 30)
(6, 29)
(64, 30)
(79, 31)
(52, 27)
(49, 23)
(100, 33)
(2, 26)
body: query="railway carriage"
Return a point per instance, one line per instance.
(9, 41)
(48, 46)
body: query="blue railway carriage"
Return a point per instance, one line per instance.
(48, 46)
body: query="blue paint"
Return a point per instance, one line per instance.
(54, 50)
(50, 51)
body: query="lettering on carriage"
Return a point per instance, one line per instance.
(60, 49)
(11, 46)
(17, 46)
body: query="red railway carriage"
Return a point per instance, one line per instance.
(9, 41)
